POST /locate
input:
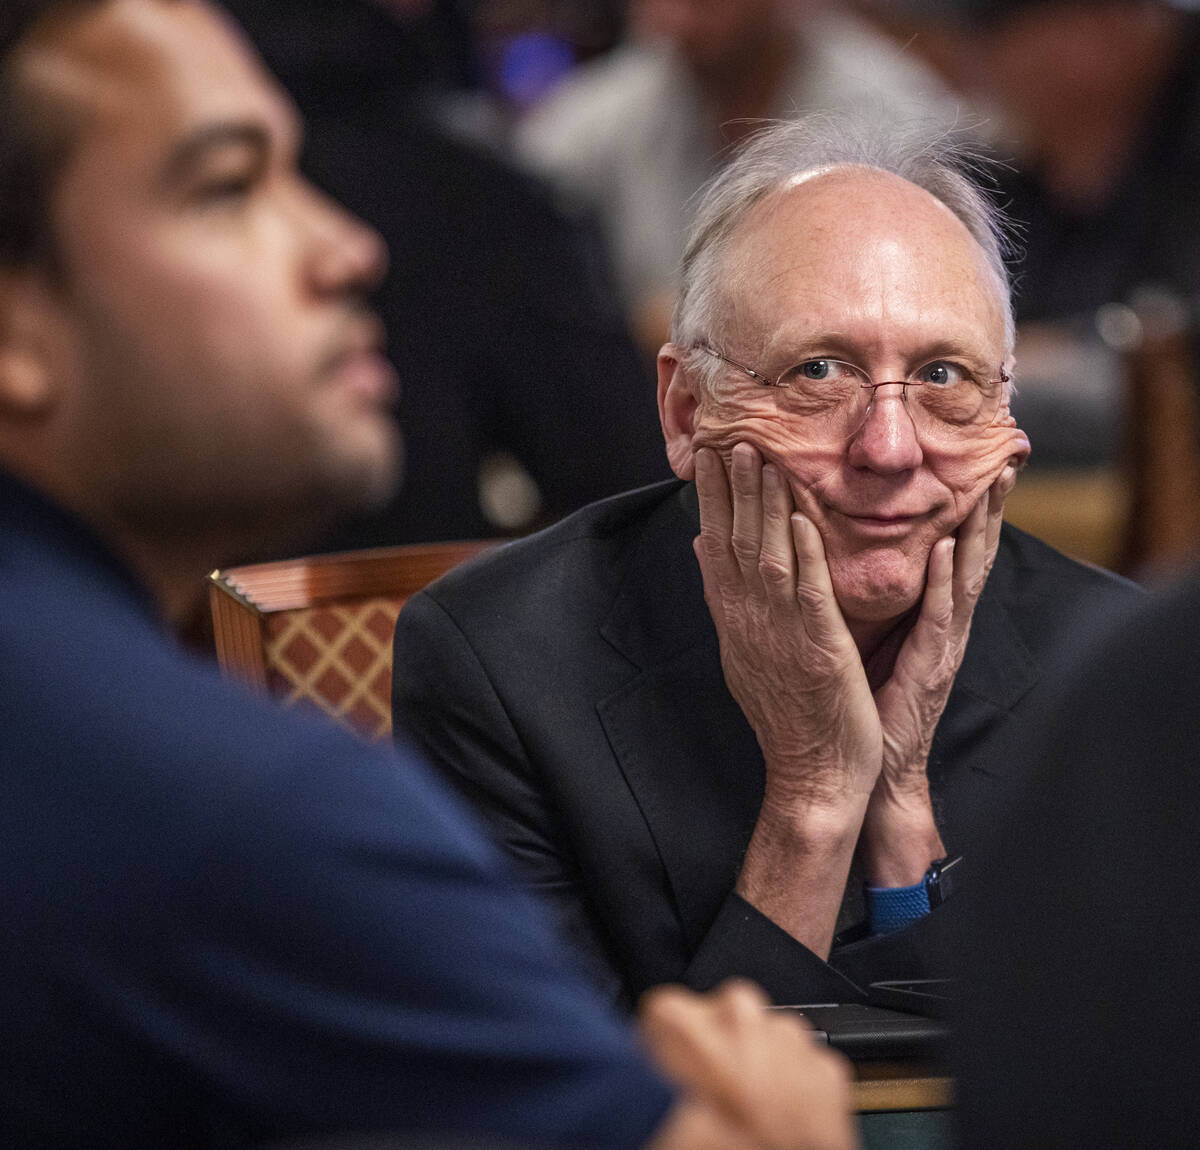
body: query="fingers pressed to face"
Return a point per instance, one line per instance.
(744, 521)
(979, 534)
(814, 585)
(777, 557)
(712, 488)
(746, 480)
(717, 562)
(997, 494)
(970, 552)
(937, 604)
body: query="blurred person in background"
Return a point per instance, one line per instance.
(1096, 104)
(632, 137)
(496, 304)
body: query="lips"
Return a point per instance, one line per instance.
(877, 515)
(875, 522)
(361, 367)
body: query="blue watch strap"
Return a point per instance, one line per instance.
(890, 908)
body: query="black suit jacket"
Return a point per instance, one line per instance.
(570, 685)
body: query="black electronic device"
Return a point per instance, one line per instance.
(864, 1032)
(930, 997)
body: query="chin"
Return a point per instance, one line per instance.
(362, 478)
(877, 592)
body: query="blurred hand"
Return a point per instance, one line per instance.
(761, 1071)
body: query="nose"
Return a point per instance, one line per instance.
(887, 441)
(347, 257)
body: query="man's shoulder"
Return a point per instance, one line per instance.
(101, 697)
(1025, 563)
(1048, 599)
(584, 552)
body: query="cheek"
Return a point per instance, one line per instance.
(240, 340)
(969, 473)
(720, 425)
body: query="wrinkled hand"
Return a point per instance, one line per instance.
(913, 698)
(761, 1069)
(788, 658)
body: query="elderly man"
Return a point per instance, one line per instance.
(224, 925)
(715, 791)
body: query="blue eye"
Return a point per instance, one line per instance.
(942, 373)
(815, 369)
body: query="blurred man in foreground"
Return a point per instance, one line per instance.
(768, 762)
(227, 925)
(1081, 1026)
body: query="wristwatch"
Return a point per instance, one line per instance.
(941, 879)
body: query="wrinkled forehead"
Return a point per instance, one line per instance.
(146, 69)
(854, 233)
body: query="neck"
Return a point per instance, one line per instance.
(174, 579)
(174, 567)
(879, 643)
(169, 549)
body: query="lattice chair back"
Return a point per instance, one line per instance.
(319, 629)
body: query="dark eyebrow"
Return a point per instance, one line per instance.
(188, 153)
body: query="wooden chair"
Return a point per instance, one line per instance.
(1162, 443)
(319, 629)
(1141, 514)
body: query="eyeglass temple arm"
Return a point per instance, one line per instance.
(757, 376)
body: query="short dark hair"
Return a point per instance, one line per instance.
(33, 144)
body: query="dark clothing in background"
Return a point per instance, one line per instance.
(502, 331)
(500, 311)
(225, 924)
(570, 685)
(1146, 233)
(1081, 1024)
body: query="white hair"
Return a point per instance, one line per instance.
(788, 151)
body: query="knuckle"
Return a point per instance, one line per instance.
(744, 551)
(745, 994)
(942, 617)
(974, 584)
(810, 596)
(774, 569)
(663, 1001)
(712, 543)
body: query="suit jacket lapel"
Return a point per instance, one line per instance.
(682, 743)
(997, 671)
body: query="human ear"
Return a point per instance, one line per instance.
(26, 379)
(678, 402)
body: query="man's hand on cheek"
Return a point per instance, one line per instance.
(900, 838)
(791, 664)
(787, 655)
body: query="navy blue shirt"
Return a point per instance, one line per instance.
(226, 924)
